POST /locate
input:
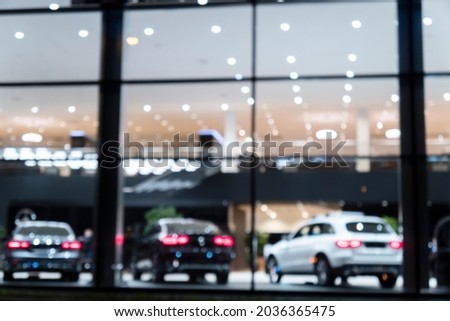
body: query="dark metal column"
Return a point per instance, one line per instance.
(413, 166)
(109, 207)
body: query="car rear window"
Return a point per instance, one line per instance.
(193, 228)
(43, 231)
(367, 227)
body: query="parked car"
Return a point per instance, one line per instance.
(183, 245)
(38, 246)
(338, 245)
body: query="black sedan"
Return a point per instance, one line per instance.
(42, 246)
(181, 245)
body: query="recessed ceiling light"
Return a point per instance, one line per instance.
(293, 75)
(149, 31)
(270, 121)
(202, 2)
(164, 123)
(393, 133)
(285, 26)
(427, 21)
(356, 24)
(231, 61)
(245, 89)
(241, 132)
(170, 128)
(380, 125)
(290, 59)
(395, 98)
(224, 107)
(157, 117)
(343, 126)
(34, 109)
(298, 100)
(216, 29)
(350, 74)
(185, 107)
(447, 96)
(53, 6)
(238, 76)
(352, 57)
(308, 126)
(71, 109)
(19, 35)
(296, 88)
(132, 41)
(32, 138)
(326, 134)
(83, 33)
(346, 99)
(275, 132)
(348, 87)
(250, 101)
(147, 108)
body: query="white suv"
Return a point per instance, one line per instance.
(338, 245)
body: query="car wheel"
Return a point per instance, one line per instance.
(222, 277)
(387, 280)
(8, 276)
(273, 270)
(324, 273)
(71, 276)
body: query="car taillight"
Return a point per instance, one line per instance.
(348, 244)
(223, 240)
(396, 245)
(74, 245)
(175, 239)
(18, 245)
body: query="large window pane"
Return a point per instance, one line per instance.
(50, 47)
(177, 164)
(435, 35)
(48, 162)
(349, 37)
(187, 43)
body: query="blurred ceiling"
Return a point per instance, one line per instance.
(203, 44)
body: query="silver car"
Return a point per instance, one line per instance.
(335, 245)
(38, 246)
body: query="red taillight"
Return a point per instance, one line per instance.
(396, 245)
(348, 244)
(175, 239)
(74, 245)
(18, 245)
(223, 240)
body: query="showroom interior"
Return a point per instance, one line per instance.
(254, 115)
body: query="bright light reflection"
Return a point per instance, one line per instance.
(19, 35)
(83, 33)
(326, 134)
(293, 75)
(285, 26)
(231, 61)
(216, 29)
(352, 57)
(53, 6)
(149, 31)
(132, 41)
(356, 24)
(346, 99)
(427, 21)
(290, 59)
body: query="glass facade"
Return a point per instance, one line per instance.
(248, 117)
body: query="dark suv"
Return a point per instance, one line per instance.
(42, 246)
(182, 245)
